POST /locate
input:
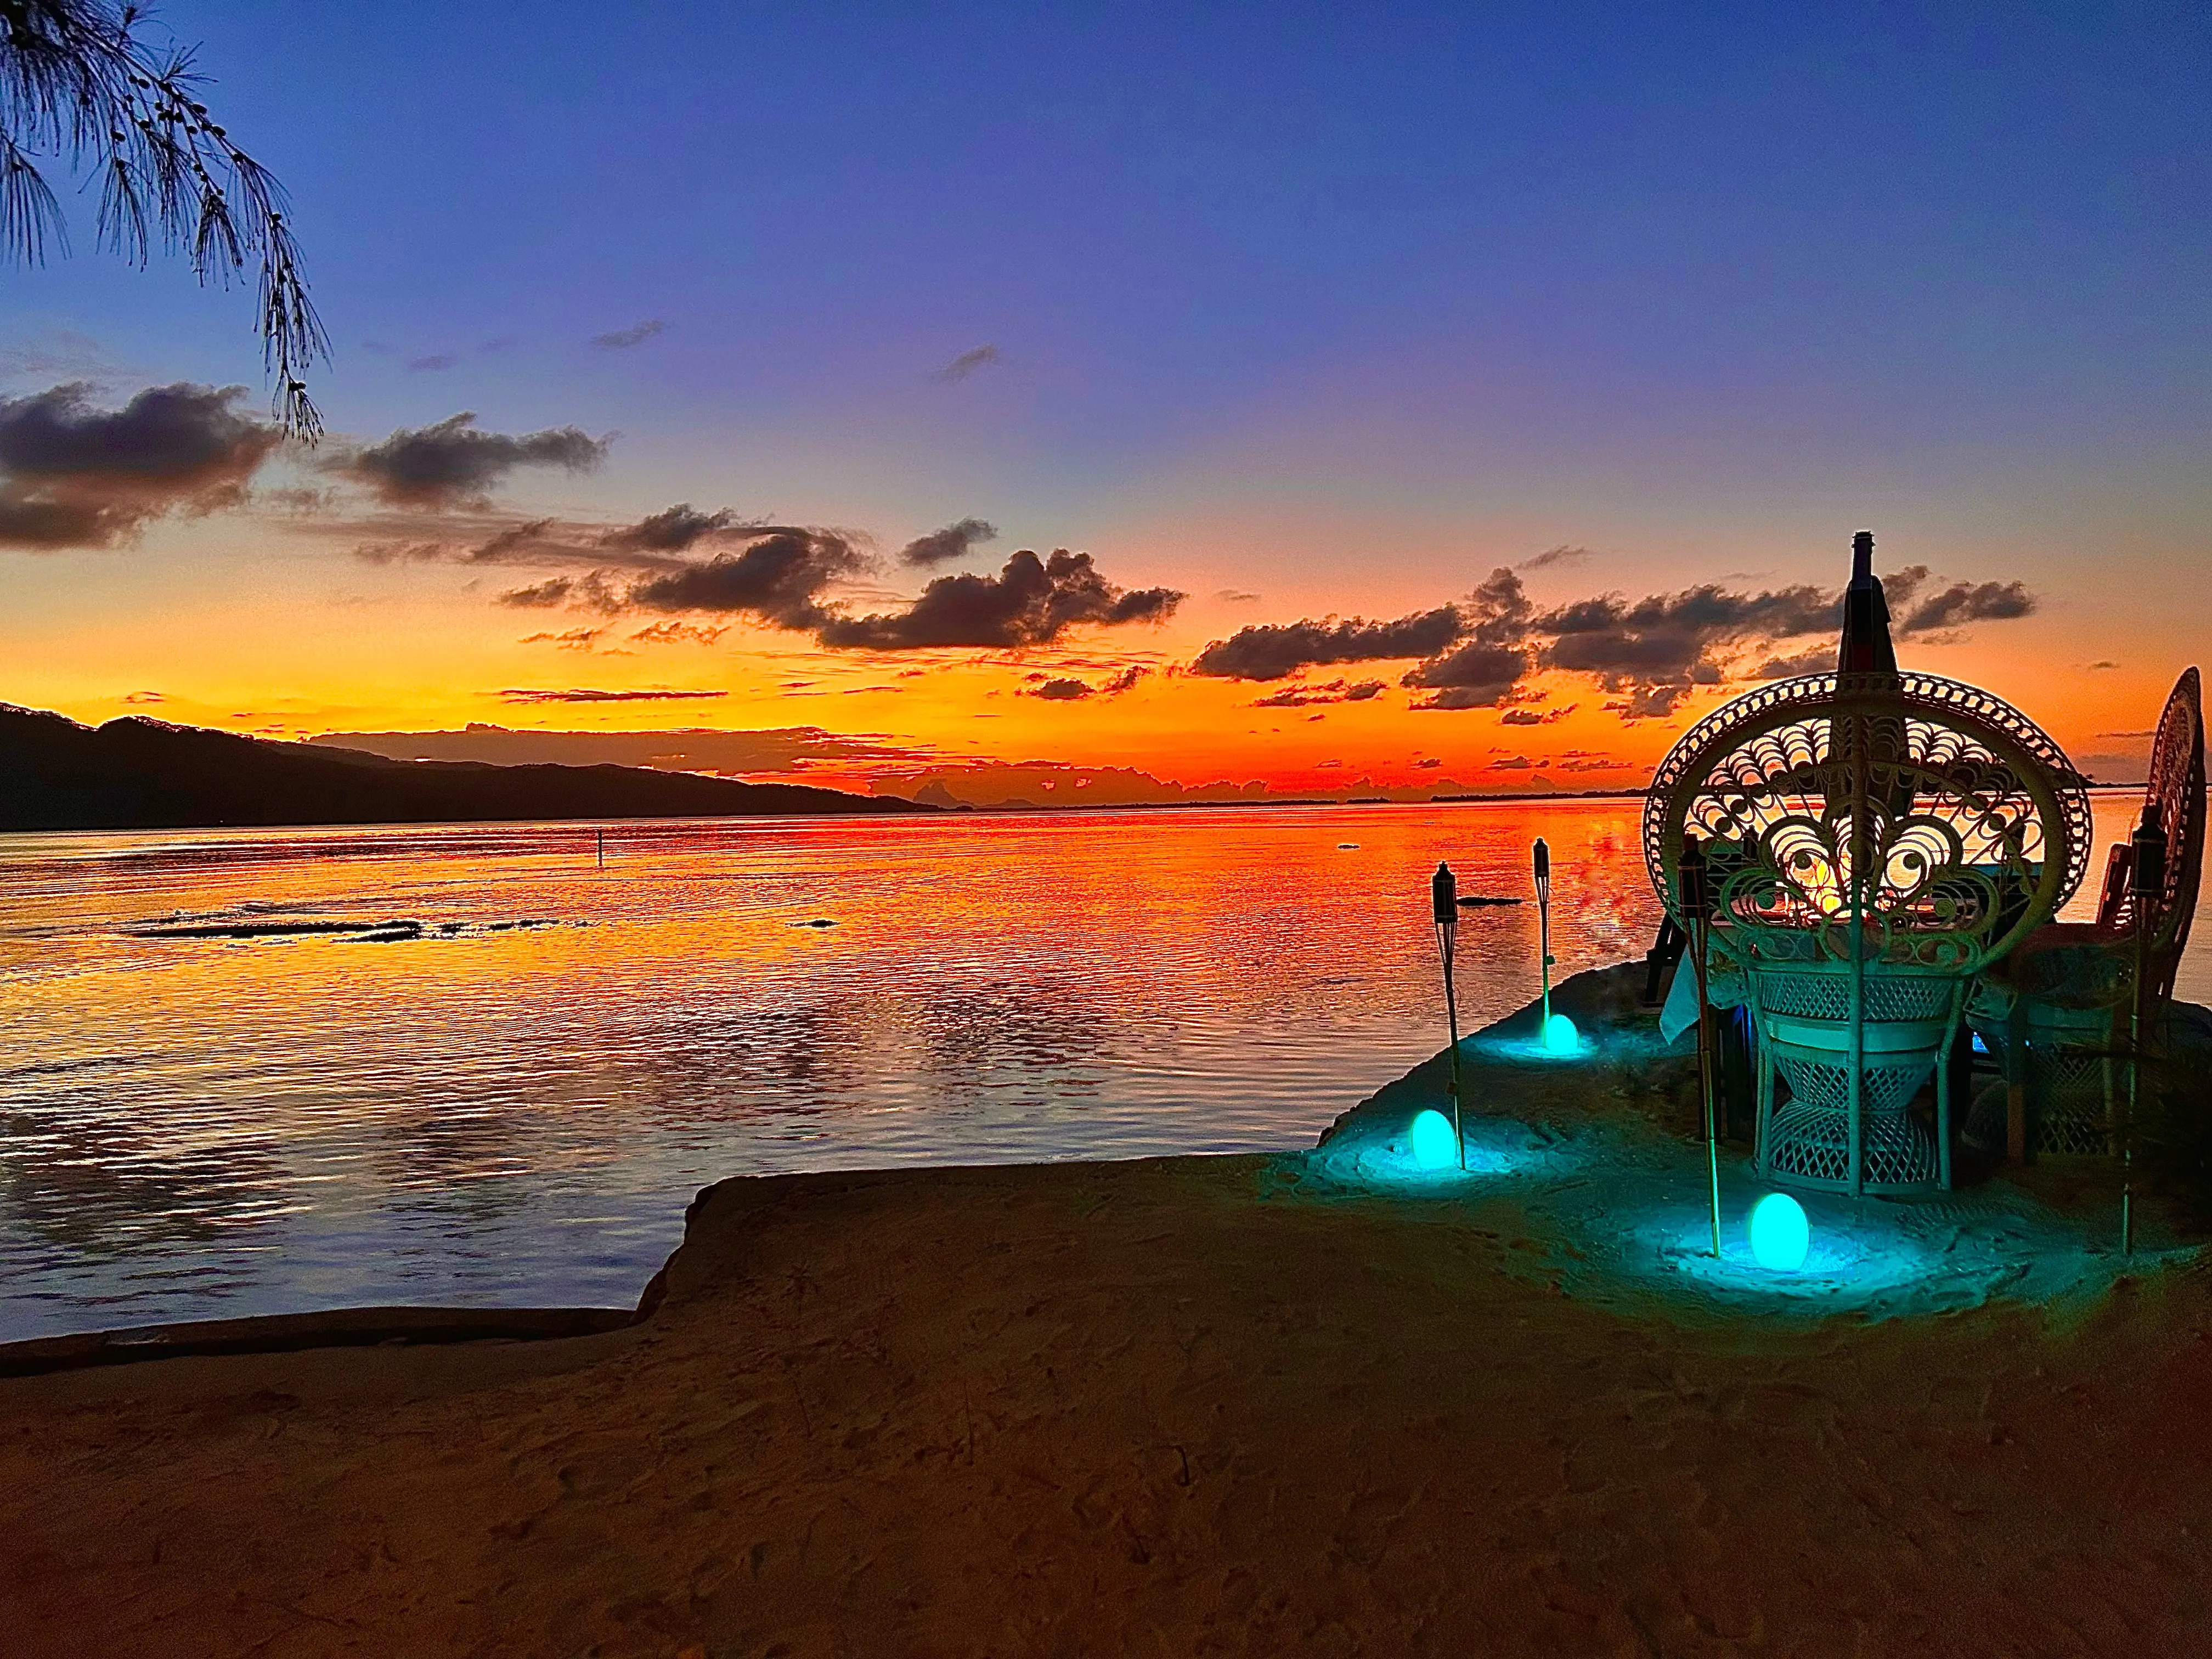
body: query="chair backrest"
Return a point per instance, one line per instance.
(2174, 795)
(1919, 824)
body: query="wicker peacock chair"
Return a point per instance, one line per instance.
(2054, 1013)
(1875, 840)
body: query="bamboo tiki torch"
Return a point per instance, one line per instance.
(1444, 895)
(1544, 937)
(1694, 893)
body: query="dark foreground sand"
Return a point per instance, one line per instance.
(1162, 1408)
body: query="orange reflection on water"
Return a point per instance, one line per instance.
(514, 1098)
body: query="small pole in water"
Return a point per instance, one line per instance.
(1444, 895)
(2146, 890)
(1544, 927)
(603, 849)
(1695, 896)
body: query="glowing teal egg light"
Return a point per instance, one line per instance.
(1560, 1036)
(1433, 1144)
(1780, 1235)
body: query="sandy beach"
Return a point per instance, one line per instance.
(1176, 1407)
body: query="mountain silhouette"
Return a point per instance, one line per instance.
(139, 773)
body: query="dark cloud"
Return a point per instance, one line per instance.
(1656, 648)
(779, 579)
(586, 695)
(669, 531)
(1304, 696)
(1648, 702)
(542, 595)
(575, 639)
(1651, 652)
(1426, 765)
(1066, 690)
(676, 632)
(967, 363)
(955, 541)
(1486, 669)
(1531, 717)
(1552, 555)
(1817, 660)
(2095, 666)
(1275, 651)
(74, 476)
(1512, 764)
(145, 696)
(1032, 601)
(1968, 602)
(1475, 676)
(451, 463)
(1236, 596)
(622, 339)
(1061, 690)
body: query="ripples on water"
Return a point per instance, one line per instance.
(480, 1111)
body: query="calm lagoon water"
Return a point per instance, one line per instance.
(515, 1104)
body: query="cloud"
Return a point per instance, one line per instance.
(575, 639)
(1648, 702)
(1968, 602)
(622, 339)
(1304, 696)
(2151, 733)
(72, 476)
(1667, 638)
(676, 632)
(1052, 689)
(1030, 602)
(145, 696)
(541, 595)
(586, 695)
(672, 530)
(1550, 556)
(1275, 651)
(1650, 652)
(1819, 658)
(1530, 717)
(779, 579)
(1236, 596)
(2094, 666)
(967, 363)
(1512, 764)
(1426, 765)
(955, 541)
(434, 363)
(451, 463)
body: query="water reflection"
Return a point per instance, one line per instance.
(480, 1109)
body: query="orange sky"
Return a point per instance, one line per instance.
(254, 620)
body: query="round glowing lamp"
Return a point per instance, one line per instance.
(1780, 1235)
(1433, 1144)
(1560, 1036)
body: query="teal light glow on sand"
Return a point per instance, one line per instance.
(1432, 1143)
(1560, 1036)
(1780, 1235)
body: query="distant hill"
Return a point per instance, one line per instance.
(138, 773)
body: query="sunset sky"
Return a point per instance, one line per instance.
(1461, 397)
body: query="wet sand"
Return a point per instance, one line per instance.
(1176, 1407)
